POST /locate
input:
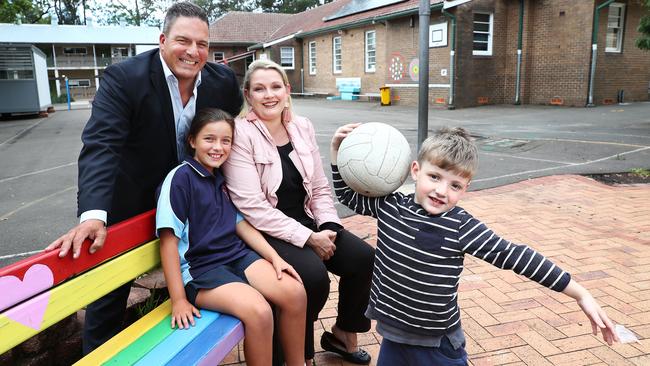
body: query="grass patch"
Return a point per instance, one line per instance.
(641, 172)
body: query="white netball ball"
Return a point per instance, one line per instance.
(374, 159)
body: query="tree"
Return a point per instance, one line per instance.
(137, 12)
(216, 8)
(25, 11)
(289, 6)
(643, 42)
(67, 11)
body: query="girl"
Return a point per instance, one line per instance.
(205, 262)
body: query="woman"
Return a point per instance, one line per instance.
(276, 180)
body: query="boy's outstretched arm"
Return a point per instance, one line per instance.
(594, 312)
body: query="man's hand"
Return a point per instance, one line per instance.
(323, 243)
(92, 229)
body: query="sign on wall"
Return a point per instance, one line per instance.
(438, 35)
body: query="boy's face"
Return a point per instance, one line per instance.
(437, 190)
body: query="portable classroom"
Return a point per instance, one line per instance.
(24, 85)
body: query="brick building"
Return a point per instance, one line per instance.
(234, 32)
(378, 46)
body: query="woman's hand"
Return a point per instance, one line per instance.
(322, 243)
(280, 266)
(183, 314)
(340, 134)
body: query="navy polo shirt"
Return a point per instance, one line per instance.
(195, 204)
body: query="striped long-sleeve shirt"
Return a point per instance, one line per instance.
(419, 259)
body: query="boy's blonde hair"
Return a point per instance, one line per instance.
(451, 149)
(262, 65)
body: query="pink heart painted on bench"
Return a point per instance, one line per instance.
(38, 277)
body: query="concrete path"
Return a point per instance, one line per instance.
(598, 233)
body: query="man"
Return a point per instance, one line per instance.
(135, 136)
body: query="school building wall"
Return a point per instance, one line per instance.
(628, 70)
(352, 60)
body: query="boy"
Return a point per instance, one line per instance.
(422, 240)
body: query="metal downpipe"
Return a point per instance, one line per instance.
(594, 52)
(519, 52)
(423, 72)
(452, 59)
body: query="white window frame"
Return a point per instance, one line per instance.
(371, 65)
(287, 66)
(621, 28)
(214, 56)
(490, 33)
(76, 83)
(75, 51)
(335, 69)
(312, 58)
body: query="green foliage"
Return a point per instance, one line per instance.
(158, 296)
(216, 8)
(67, 10)
(641, 172)
(24, 11)
(643, 42)
(136, 12)
(289, 6)
(63, 98)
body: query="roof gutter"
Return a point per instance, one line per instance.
(377, 19)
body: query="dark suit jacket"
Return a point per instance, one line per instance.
(129, 142)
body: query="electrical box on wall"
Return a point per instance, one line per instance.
(438, 35)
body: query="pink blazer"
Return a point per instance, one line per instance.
(254, 172)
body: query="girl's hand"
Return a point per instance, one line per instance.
(183, 314)
(598, 319)
(280, 266)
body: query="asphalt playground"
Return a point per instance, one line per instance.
(38, 156)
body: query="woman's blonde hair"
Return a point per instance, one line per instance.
(262, 65)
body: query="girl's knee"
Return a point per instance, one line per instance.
(294, 297)
(258, 313)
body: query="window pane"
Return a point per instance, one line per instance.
(612, 38)
(480, 46)
(482, 18)
(481, 27)
(480, 37)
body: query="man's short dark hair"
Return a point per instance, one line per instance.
(183, 9)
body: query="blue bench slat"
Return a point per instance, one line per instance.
(213, 344)
(167, 349)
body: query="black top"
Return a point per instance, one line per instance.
(291, 193)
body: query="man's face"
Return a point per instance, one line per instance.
(185, 47)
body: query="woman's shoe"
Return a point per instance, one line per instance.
(331, 344)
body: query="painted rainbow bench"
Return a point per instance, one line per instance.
(41, 290)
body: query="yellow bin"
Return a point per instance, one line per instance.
(384, 92)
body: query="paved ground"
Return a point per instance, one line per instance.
(38, 157)
(599, 233)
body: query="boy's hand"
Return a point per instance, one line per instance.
(598, 319)
(594, 312)
(183, 314)
(340, 134)
(280, 266)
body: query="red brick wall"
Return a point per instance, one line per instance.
(628, 70)
(352, 60)
(403, 48)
